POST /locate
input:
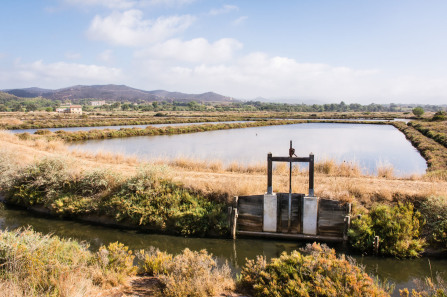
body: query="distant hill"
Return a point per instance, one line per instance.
(6, 97)
(115, 93)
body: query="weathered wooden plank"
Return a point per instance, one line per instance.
(331, 217)
(296, 213)
(290, 236)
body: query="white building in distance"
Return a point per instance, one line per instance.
(98, 103)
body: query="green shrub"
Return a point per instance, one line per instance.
(434, 212)
(398, 228)
(418, 111)
(320, 273)
(193, 274)
(153, 261)
(116, 262)
(439, 116)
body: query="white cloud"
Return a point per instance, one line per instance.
(106, 56)
(59, 74)
(113, 4)
(197, 50)
(72, 55)
(239, 20)
(130, 29)
(258, 74)
(167, 2)
(128, 4)
(224, 9)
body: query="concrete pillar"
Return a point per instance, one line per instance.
(270, 212)
(310, 215)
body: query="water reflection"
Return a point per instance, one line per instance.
(368, 145)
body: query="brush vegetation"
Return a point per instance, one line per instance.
(32, 264)
(317, 271)
(144, 200)
(398, 228)
(190, 273)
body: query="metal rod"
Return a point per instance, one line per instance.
(311, 175)
(269, 174)
(289, 222)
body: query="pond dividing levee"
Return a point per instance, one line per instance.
(400, 272)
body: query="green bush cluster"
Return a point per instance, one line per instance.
(439, 116)
(144, 200)
(398, 228)
(193, 274)
(434, 212)
(319, 273)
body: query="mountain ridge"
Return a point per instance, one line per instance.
(114, 92)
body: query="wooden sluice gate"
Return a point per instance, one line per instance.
(290, 215)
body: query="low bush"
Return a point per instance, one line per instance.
(32, 264)
(398, 228)
(434, 212)
(115, 262)
(320, 273)
(190, 273)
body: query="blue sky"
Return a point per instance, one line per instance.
(356, 51)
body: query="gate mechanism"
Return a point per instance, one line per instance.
(291, 158)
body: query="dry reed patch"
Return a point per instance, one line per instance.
(10, 121)
(385, 171)
(106, 157)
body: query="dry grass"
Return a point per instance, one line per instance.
(10, 121)
(385, 171)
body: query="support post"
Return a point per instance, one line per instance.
(289, 217)
(347, 226)
(311, 175)
(234, 216)
(269, 174)
(376, 245)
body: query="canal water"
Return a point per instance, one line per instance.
(401, 272)
(367, 145)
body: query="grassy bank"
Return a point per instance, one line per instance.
(144, 199)
(434, 130)
(433, 152)
(151, 131)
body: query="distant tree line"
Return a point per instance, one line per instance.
(12, 103)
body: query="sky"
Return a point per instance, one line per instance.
(356, 51)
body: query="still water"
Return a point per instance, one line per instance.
(367, 145)
(400, 272)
